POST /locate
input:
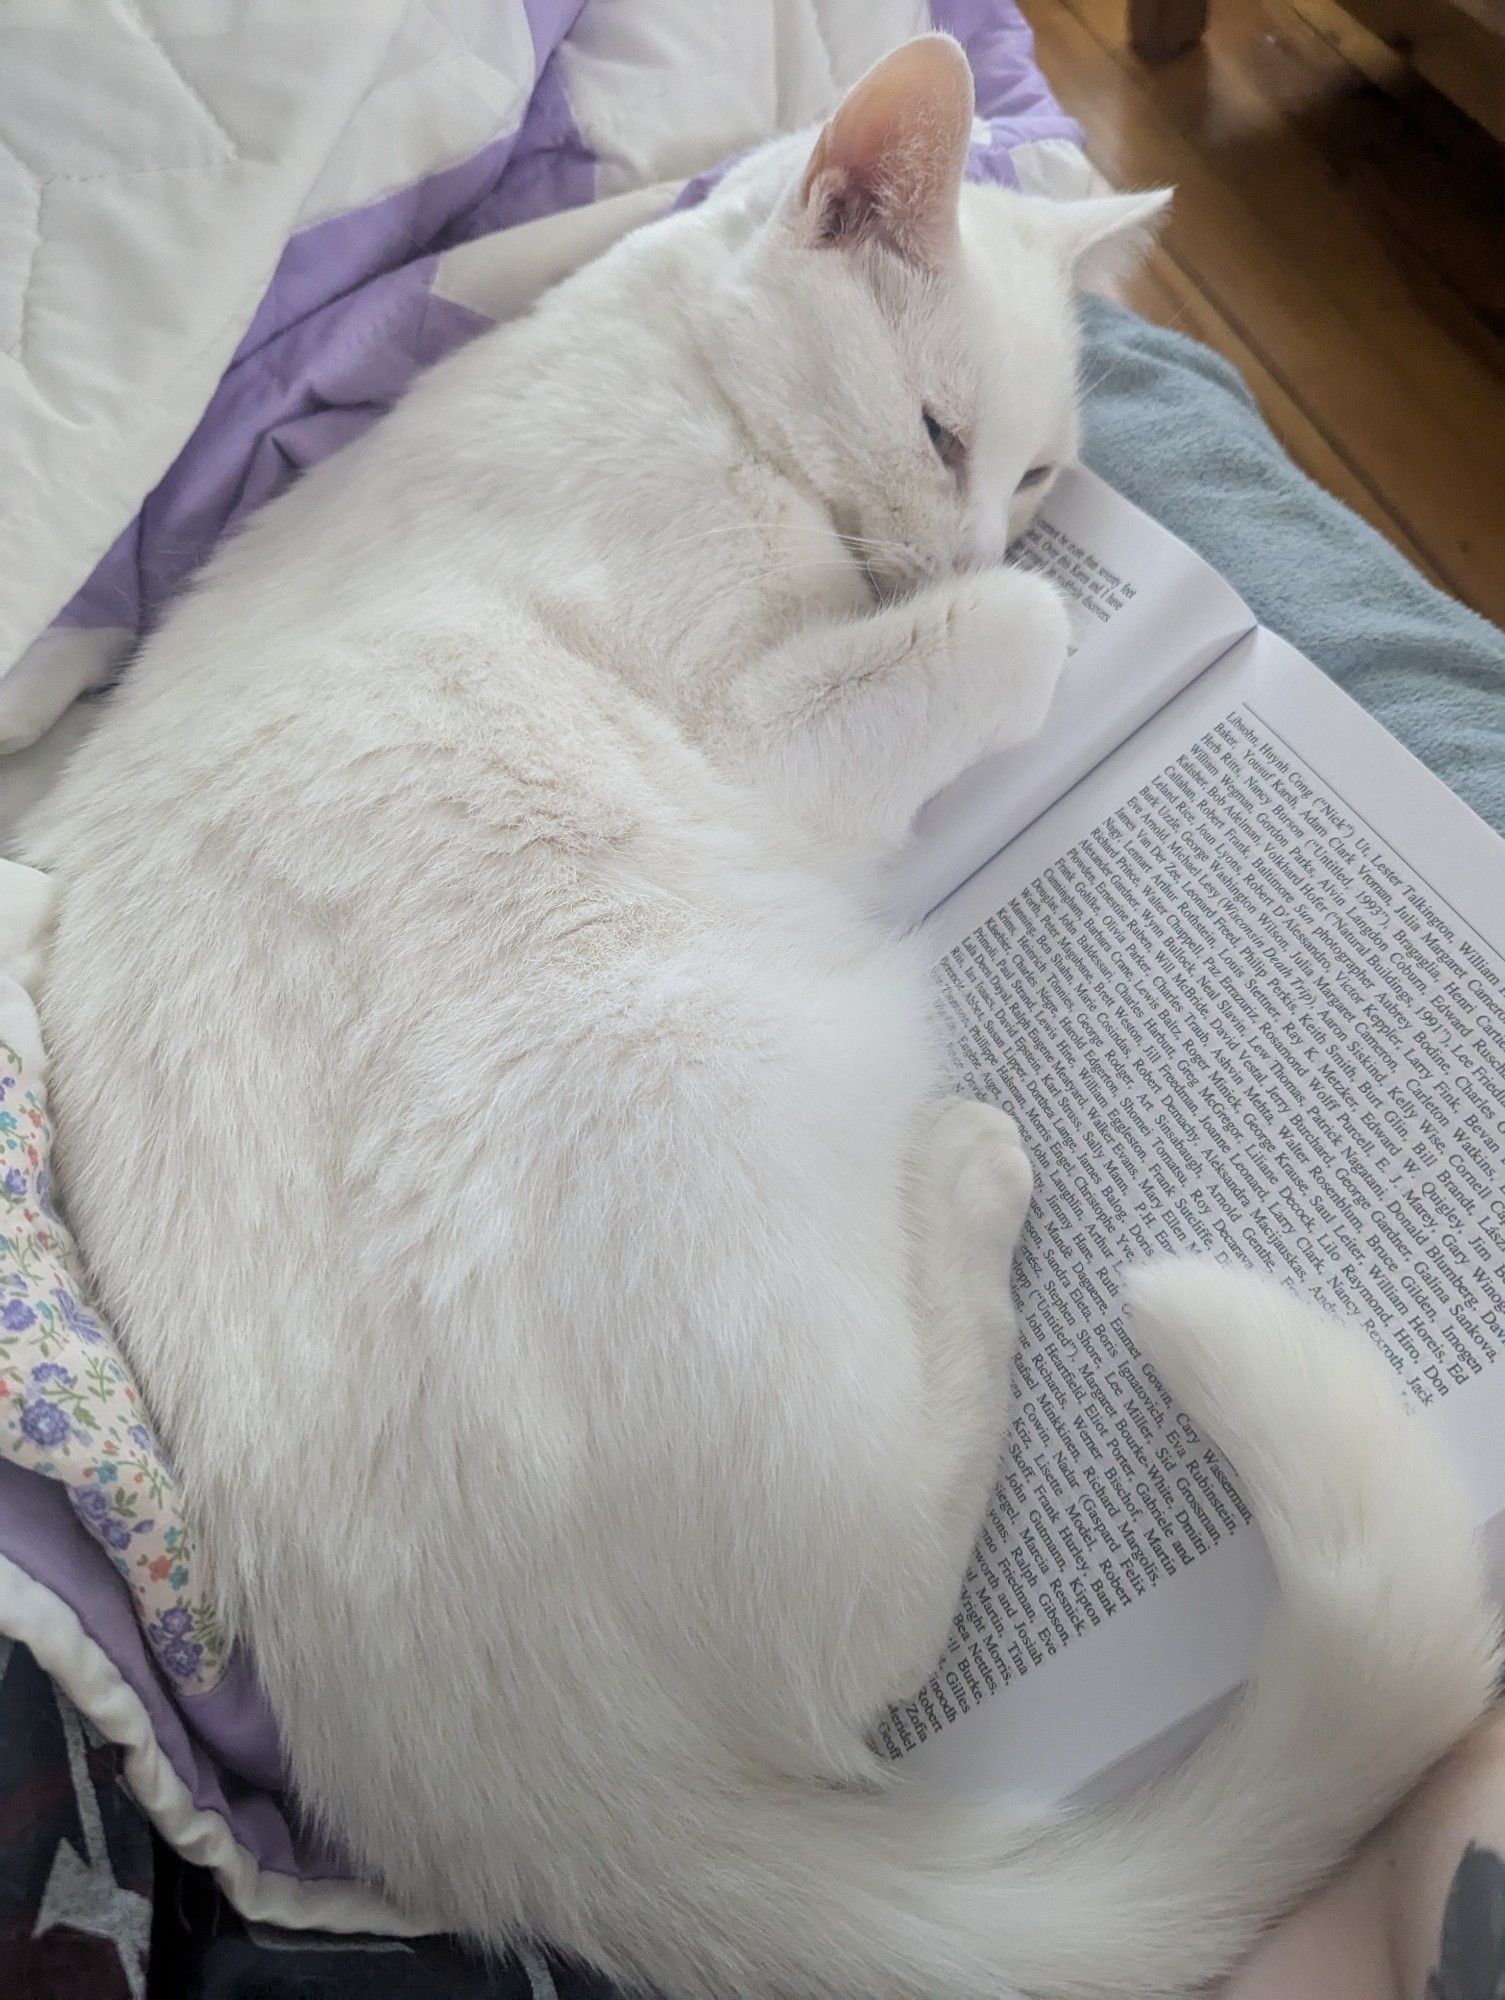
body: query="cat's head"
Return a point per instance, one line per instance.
(903, 345)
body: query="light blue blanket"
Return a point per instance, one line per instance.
(1172, 426)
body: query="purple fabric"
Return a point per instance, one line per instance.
(348, 320)
(1013, 98)
(222, 1744)
(1012, 95)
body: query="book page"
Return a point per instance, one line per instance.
(1147, 616)
(1244, 991)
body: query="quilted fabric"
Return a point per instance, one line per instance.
(150, 174)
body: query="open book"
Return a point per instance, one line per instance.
(1236, 963)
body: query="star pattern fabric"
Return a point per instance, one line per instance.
(76, 1867)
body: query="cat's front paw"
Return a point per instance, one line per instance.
(1011, 626)
(983, 1174)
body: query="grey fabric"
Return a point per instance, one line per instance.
(1172, 426)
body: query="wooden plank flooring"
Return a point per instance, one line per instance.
(1339, 234)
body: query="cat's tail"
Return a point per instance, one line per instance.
(1380, 1653)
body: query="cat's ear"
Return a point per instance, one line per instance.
(887, 167)
(1107, 237)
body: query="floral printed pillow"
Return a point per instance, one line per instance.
(70, 1411)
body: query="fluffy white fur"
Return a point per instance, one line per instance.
(514, 1155)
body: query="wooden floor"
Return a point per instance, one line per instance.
(1339, 234)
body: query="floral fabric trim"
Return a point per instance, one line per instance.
(70, 1411)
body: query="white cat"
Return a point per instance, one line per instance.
(515, 1157)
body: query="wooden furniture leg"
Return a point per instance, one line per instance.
(1162, 28)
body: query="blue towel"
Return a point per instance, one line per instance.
(1172, 426)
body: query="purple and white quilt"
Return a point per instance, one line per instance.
(229, 237)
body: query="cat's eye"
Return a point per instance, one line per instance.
(1036, 476)
(949, 448)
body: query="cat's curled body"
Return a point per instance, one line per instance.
(514, 1157)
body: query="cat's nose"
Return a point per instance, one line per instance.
(985, 539)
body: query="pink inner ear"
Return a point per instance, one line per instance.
(888, 166)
